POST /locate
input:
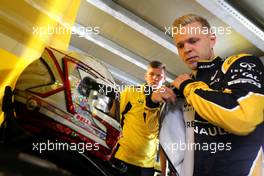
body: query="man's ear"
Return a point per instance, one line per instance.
(145, 76)
(164, 79)
(212, 40)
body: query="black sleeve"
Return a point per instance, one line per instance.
(232, 108)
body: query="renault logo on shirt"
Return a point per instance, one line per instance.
(204, 128)
(141, 101)
(248, 66)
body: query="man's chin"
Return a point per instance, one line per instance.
(193, 66)
(154, 85)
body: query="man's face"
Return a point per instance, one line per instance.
(155, 76)
(193, 44)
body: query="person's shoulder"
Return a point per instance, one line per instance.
(229, 61)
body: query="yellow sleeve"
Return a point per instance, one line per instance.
(237, 109)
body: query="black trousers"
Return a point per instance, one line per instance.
(133, 170)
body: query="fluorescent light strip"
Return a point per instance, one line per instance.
(241, 18)
(135, 23)
(234, 18)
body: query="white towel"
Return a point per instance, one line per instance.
(176, 139)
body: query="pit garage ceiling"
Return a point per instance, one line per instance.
(127, 34)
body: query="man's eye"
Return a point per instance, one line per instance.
(180, 45)
(151, 74)
(192, 41)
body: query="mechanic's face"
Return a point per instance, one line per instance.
(155, 76)
(194, 45)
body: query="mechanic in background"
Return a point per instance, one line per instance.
(137, 148)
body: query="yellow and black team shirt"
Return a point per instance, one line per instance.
(139, 120)
(228, 98)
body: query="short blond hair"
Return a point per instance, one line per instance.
(190, 18)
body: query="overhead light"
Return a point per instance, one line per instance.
(135, 23)
(234, 18)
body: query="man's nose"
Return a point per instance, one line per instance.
(187, 48)
(155, 77)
